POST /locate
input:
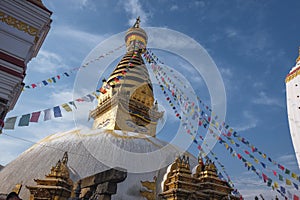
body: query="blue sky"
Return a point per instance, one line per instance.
(253, 43)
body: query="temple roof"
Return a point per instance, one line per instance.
(40, 4)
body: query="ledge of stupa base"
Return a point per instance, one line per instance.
(114, 175)
(102, 185)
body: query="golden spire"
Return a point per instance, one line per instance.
(137, 23)
(298, 59)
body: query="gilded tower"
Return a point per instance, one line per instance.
(127, 101)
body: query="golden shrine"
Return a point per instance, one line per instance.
(57, 184)
(203, 183)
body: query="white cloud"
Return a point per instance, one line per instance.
(249, 121)
(263, 99)
(230, 32)
(134, 9)
(84, 4)
(226, 72)
(79, 36)
(47, 62)
(174, 7)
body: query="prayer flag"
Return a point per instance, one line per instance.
(57, 112)
(296, 197)
(10, 123)
(287, 171)
(288, 182)
(275, 173)
(239, 156)
(79, 100)
(282, 189)
(53, 79)
(24, 121)
(102, 90)
(269, 182)
(294, 176)
(66, 74)
(33, 85)
(86, 99)
(263, 164)
(49, 80)
(265, 177)
(280, 177)
(281, 167)
(45, 82)
(66, 107)
(296, 186)
(276, 184)
(73, 104)
(35, 116)
(91, 97)
(47, 114)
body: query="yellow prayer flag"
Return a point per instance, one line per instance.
(49, 80)
(294, 175)
(226, 145)
(264, 155)
(288, 182)
(276, 185)
(256, 160)
(66, 107)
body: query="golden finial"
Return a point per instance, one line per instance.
(137, 23)
(298, 59)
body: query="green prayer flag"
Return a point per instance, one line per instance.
(24, 121)
(280, 177)
(287, 171)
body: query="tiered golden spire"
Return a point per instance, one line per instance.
(128, 102)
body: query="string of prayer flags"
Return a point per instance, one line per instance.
(229, 132)
(55, 112)
(54, 79)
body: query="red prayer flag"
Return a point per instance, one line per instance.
(275, 173)
(33, 85)
(247, 152)
(281, 167)
(35, 116)
(199, 147)
(239, 156)
(296, 197)
(116, 80)
(265, 177)
(79, 100)
(102, 90)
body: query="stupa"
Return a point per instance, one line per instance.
(125, 122)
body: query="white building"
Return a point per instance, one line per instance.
(24, 25)
(293, 105)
